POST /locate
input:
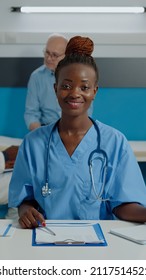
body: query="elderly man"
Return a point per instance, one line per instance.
(41, 103)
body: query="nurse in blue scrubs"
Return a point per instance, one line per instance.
(76, 168)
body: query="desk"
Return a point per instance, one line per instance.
(139, 149)
(20, 247)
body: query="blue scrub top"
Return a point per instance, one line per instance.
(43, 156)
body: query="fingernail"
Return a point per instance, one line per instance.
(43, 224)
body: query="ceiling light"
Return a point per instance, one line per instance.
(78, 9)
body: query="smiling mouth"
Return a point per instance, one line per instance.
(74, 104)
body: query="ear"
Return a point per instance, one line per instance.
(55, 88)
(95, 91)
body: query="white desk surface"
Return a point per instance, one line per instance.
(139, 149)
(19, 246)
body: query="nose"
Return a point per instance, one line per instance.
(49, 57)
(75, 92)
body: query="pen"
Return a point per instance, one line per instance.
(50, 231)
(43, 225)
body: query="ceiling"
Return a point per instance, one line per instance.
(105, 30)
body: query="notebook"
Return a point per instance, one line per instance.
(133, 233)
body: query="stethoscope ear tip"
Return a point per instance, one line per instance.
(46, 190)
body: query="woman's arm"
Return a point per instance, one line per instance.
(132, 212)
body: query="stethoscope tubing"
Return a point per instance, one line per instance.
(104, 158)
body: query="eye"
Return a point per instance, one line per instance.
(66, 86)
(85, 88)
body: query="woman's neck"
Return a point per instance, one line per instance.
(72, 131)
(74, 125)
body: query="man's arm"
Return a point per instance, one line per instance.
(34, 125)
(32, 106)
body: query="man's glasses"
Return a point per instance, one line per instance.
(52, 55)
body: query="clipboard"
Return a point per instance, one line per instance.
(96, 227)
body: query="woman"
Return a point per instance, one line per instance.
(77, 168)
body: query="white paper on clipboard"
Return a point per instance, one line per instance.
(67, 233)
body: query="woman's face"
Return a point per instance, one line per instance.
(76, 88)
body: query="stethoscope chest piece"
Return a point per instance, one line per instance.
(46, 190)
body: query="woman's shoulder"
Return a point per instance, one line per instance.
(39, 134)
(111, 138)
(109, 130)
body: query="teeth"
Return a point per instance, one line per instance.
(73, 102)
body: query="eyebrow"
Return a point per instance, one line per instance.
(85, 80)
(68, 80)
(51, 51)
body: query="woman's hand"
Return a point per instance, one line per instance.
(29, 216)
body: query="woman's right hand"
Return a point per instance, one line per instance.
(29, 216)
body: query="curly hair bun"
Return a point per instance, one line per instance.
(80, 45)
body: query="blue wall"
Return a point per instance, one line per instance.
(122, 108)
(12, 104)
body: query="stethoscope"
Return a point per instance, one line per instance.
(101, 155)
